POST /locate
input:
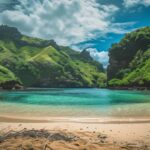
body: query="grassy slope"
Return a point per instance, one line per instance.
(6, 75)
(36, 62)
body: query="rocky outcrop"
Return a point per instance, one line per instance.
(129, 62)
(9, 85)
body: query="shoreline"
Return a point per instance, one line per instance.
(89, 120)
(128, 88)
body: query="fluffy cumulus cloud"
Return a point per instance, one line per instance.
(133, 3)
(100, 56)
(66, 21)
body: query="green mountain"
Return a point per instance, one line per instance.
(34, 62)
(129, 63)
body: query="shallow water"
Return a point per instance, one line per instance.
(75, 103)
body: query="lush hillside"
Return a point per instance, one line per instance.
(6, 75)
(42, 63)
(129, 63)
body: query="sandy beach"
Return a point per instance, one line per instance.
(74, 133)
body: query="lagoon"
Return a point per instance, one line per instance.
(75, 102)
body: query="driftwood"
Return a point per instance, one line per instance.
(45, 146)
(38, 134)
(49, 136)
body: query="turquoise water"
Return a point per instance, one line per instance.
(75, 102)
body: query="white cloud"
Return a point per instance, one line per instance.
(100, 56)
(133, 3)
(66, 21)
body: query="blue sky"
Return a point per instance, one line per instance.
(92, 24)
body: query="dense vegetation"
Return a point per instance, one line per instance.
(35, 62)
(129, 63)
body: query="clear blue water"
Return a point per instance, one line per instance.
(75, 102)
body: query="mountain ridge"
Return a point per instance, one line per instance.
(43, 63)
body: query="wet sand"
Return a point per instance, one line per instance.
(87, 133)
